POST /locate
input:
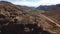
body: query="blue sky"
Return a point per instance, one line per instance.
(34, 3)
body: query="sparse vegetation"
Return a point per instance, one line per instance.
(15, 21)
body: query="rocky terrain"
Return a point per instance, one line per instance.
(53, 12)
(15, 20)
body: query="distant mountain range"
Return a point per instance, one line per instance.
(50, 7)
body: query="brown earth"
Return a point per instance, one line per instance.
(11, 19)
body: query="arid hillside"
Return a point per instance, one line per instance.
(54, 15)
(14, 20)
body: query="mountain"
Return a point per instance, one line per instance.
(24, 7)
(8, 5)
(52, 12)
(16, 19)
(50, 7)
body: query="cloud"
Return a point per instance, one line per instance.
(35, 3)
(26, 3)
(38, 3)
(49, 2)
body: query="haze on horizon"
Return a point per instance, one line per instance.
(34, 3)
